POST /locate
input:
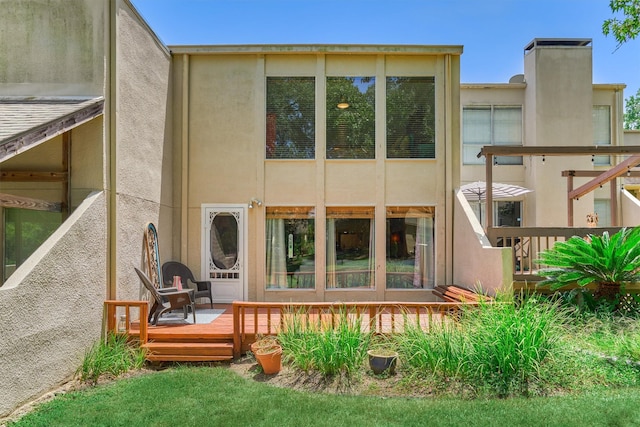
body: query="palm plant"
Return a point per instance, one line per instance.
(609, 262)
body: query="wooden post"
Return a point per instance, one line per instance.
(570, 199)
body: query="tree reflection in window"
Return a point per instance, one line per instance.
(291, 115)
(351, 129)
(411, 117)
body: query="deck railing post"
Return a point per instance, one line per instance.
(237, 342)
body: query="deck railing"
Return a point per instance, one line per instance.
(251, 319)
(112, 324)
(528, 242)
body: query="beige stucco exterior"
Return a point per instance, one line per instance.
(220, 121)
(184, 126)
(121, 171)
(557, 96)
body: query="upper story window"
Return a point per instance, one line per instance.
(601, 131)
(291, 118)
(351, 117)
(491, 125)
(411, 118)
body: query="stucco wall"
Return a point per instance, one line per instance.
(558, 112)
(143, 148)
(222, 105)
(49, 308)
(52, 47)
(630, 207)
(476, 262)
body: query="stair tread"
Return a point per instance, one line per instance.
(189, 344)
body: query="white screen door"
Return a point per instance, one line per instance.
(224, 250)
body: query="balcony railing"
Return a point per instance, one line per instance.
(528, 242)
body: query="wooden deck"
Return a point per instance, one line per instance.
(232, 332)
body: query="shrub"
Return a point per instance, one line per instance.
(113, 356)
(609, 262)
(500, 346)
(330, 344)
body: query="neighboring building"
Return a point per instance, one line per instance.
(554, 103)
(284, 173)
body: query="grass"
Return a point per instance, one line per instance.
(529, 348)
(218, 396)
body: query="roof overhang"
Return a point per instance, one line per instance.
(28, 122)
(363, 49)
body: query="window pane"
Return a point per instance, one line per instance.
(602, 207)
(350, 117)
(24, 231)
(411, 117)
(410, 248)
(291, 118)
(290, 244)
(350, 249)
(476, 132)
(601, 131)
(476, 125)
(507, 130)
(508, 214)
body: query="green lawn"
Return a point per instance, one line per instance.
(216, 396)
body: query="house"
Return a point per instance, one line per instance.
(283, 173)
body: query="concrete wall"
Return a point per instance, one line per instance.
(220, 121)
(50, 307)
(143, 146)
(53, 47)
(477, 263)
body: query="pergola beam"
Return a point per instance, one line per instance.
(567, 150)
(489, 151)
(605, 176)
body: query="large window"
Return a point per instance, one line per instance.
(351, 117)
(350, 248)
(24, 231)
(491, 125)
(410, 248)
(411, 118)
(601, 131)
(290, 244)
(291, 126)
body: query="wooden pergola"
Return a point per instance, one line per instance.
(599, 177)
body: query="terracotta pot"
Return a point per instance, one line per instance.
(270, 359)
(380, 362)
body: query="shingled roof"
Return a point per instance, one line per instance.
(27, 122)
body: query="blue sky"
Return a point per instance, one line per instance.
(493, 32)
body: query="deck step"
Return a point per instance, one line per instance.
(454, 293)
(188, 351)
